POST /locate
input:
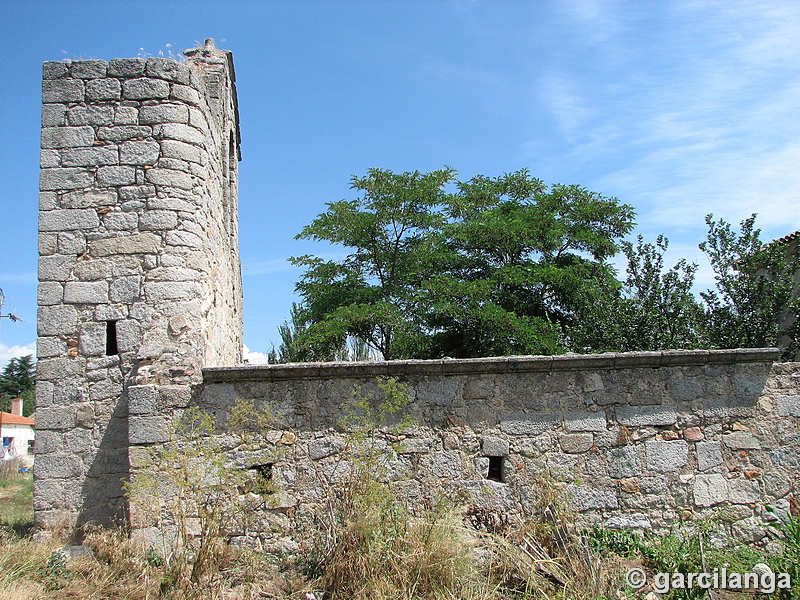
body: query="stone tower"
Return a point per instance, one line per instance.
(139, 273)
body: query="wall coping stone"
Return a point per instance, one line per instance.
(501, 364)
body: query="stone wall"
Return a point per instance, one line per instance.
(139, 275)
(640, 440)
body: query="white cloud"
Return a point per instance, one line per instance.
(9, 352)
(253, 358)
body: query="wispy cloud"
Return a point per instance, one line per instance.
(267, 266)
(710, 126)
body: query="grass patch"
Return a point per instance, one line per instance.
(16, 502)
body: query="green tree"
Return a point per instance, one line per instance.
(755, 285)
(496, 267)
(652, 309)
(522, 256)
(18, 380)
(371, 293)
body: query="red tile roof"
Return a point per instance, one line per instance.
(9, 419)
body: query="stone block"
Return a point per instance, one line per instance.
(494, 446)
(121, 221)
(185, 93)
(88, 69)
(142, 243)
(179, 132)
(44, 394)
(582, 498)
(50, 293)
(666, 457)
(529, 423)
(64, 179)
(147, 429)
(54, 115)
(576, 443)
(54, 69)
(84, 416)
(67, 137)
(58, 369)
(709, 489)
(168, 290)
(68, 219)
(326, 446)
(89, 199)
(182, 151)
(120, 133)
(57, 320)
(137, 192)
(145, 89)
(165, 68)
(90, 157)
(741, 440)
(103, 89)
(55, 268)
(183, 238)
(48, 347)
(725, 408)
(91, 115)
(440, 465)
(175, 396)
(749, 530)
(482, 466)
(126, 67)
(142, 399)
(164, 113)
(788, 406)
(92, 338)
(639, 416)
(635, 521)
(585, 421)
(117, 175)
(709, 455)
(125, 289)
(170, 178)
(62, 90)
(55, 417)
(105, 389)
(139, 153)
(86, 292)
(158, 219)
(624, 462)
(58, 466)
(743, 491)
(49, 158)
(126, 115)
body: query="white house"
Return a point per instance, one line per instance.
(16, 432)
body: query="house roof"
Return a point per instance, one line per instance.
(9, 419)
(787, 239)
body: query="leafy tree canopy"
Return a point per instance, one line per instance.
(508, 265)
(445, 268)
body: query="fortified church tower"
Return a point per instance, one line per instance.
(139, 273)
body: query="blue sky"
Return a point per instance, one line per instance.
(677, 108)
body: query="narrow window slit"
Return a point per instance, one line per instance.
(263, 482)
(495, 468)
(111, 338)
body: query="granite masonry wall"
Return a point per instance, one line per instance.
(139, 274)
(639, 440)
(140, 319)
